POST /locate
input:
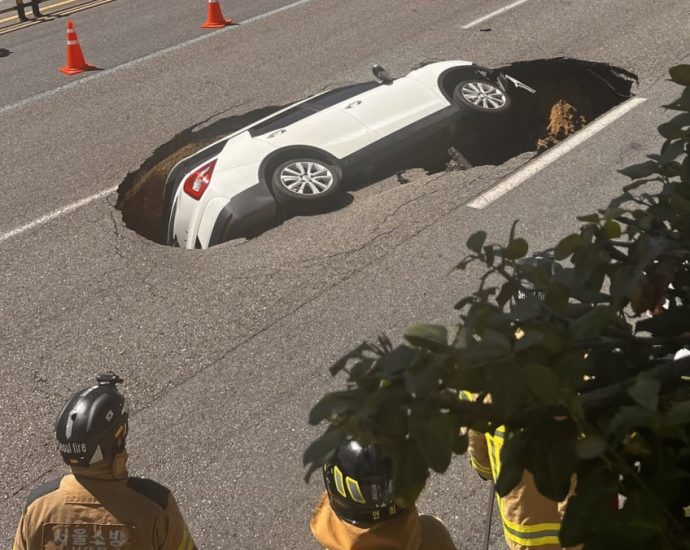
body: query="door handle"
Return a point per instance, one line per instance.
(353, 104)
(277, 133)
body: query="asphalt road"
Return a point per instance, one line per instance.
(224, 351)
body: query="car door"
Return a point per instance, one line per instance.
(388, 109)
(330, 129)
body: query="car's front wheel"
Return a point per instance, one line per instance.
(305, 179)
(481, 95)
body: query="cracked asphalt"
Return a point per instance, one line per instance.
(224, 351)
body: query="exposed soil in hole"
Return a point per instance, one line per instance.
(570, 94)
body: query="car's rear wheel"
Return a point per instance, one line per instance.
(482, 96)
(305, 179)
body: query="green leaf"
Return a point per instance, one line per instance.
(517, 248)
(318, 453)
(550, 456)
(678, 414)
(645, 391)
(490, 256)
(543, 383)
(512, 462)
(590, 446)
(341, 363)
(397, 360)
(588, 509)
(670, 150)
(569, 244)
(680, 74)
(672, 322)
(434, 337)
(592, 324)
(557, 296)
(332, 404)
(410, 472)
(511, 236)
(669, 130)
(641, 170)
(508, 289)
(612, 229)
(681, 104)
(460, 443)
(589, 218)
(476, 241)
(464, 301)
(612, 213)
(530, 338)
(629, 418)
(436, 442)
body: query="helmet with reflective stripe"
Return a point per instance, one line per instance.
(92, 425)
(359, 482)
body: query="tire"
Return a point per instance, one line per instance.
(480, 95)
(305, 179)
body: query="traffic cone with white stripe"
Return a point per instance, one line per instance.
(215, 19)
(75, 58)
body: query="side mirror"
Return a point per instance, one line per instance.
(381, 74)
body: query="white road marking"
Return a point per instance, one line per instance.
(144, 59)
(494, 14)
(56, 214)
(83, 202)
(531, 168)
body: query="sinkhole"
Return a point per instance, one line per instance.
(570, 93)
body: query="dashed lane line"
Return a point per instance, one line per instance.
(56, 214)
(494, 14)
(553, 154)
(87, 200)
(135, 62)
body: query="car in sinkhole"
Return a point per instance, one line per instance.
(308, 151)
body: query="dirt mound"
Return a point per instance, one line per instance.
(564, 120)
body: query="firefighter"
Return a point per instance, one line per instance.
(99, 505)
(357, 510)
(530, 520)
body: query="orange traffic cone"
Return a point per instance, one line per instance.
(75, 58)
(215, 19)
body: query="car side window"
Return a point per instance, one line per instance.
(333, 97)
(308, 108)
(280, 121)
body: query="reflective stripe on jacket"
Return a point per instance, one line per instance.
(530, 520)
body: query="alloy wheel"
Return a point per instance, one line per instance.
(483, 95)
(306, 178)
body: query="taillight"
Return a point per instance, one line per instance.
(197, 182)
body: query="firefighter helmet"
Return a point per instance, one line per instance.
(359, 482)
(92, 425)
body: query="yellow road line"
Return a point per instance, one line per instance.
(51, 16)
(42, 7)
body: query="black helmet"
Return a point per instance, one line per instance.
(92, 425)
(359, 482)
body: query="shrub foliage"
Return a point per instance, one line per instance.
(574, 346)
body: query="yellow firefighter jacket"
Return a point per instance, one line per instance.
(101, 507)
(408, 531)
(530, 520)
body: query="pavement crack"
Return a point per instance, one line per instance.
(311, 299)
(118, 235)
